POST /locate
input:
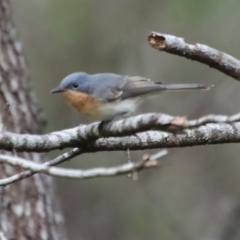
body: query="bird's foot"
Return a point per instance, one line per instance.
(103, 124)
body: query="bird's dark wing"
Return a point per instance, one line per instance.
(136, 86)
(108, 87)
(111, 87)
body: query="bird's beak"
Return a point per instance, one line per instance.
(57, 90)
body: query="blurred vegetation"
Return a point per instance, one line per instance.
(190, 196)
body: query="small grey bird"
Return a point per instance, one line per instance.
(108, 96)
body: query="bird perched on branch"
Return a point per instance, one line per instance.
(107, 96)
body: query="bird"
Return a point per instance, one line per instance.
(109, 96)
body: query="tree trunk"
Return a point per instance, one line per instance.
(28, 209)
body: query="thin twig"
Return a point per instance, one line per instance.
(212, 119)
(28, 173)
(158, 155)
(80, 174)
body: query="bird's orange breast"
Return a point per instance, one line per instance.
(82, 102)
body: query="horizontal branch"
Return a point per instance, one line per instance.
(209, 134)
(133, 133)
(214, 58)
(146, 163)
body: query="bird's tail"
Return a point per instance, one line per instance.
(184, 87)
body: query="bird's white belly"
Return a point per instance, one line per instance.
(108, 111)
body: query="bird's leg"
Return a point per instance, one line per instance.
(104, 123)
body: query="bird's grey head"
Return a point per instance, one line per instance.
(76, 81)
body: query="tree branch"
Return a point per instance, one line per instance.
(214, 58)
(137, 134)
(60, 159)
(146, 163)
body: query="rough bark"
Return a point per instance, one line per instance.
(135, 133)
(214, 58)
(27, 210)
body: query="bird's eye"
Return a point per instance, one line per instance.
(75, 85)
